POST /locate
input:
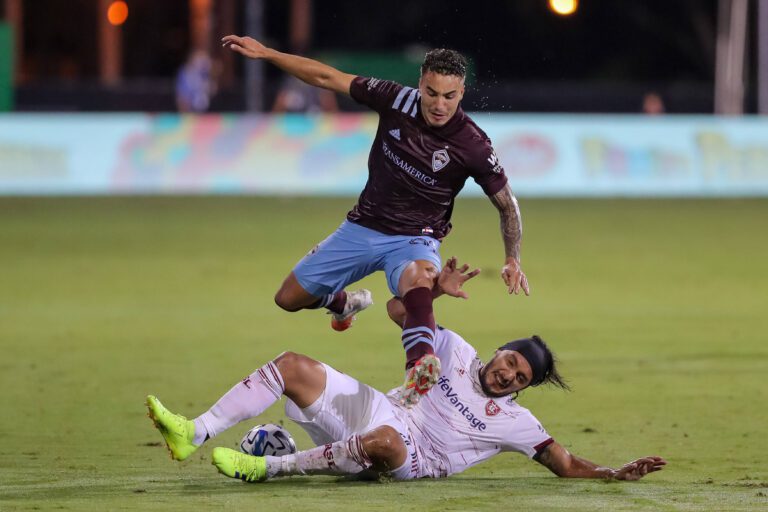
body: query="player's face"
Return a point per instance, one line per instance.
(440, 97)
(506, 373)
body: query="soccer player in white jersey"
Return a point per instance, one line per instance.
(469, 416)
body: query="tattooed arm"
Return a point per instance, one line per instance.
(512, 234)
(558, 460)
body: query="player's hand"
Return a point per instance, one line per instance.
(453, 277)
(637, 469)
(245, 46)
(514, 277)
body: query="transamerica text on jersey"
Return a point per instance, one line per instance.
(408, 168)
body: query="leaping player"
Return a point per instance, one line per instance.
(424, 150)
(471, 415)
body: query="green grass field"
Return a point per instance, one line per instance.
(658, 311)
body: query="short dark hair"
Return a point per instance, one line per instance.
(445, 62)
(548, 363)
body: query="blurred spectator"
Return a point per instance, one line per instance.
(195, 83)
(653, 105)
(297, 96)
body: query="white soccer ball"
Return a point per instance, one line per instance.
(269, 439)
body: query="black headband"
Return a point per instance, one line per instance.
(538, 357)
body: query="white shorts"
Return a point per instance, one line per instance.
(348, 407)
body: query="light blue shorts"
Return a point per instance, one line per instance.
(353, 252)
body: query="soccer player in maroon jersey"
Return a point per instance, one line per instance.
(424, 150)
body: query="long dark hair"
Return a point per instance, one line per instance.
(550, 374)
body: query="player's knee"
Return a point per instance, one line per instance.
(303, 377)
(418, 274)
(284, 301)
(290, 364)
(385, 448)
(286, 362)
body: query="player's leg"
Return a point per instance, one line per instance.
(412, 265)
(381, 449)
(354, 427)
(415, 288)
(299, 377)
(422, 365)
(319, 279)
(293, 297)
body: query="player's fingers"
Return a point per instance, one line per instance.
(524, 284)
(515, 282)
(230, 39)
(473, 273)
(237, 48)
(464, 268)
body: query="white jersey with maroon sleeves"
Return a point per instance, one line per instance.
(456, 425)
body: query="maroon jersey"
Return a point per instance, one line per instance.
(414, 170)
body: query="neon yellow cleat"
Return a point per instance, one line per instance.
(177, 430)
(238, 465)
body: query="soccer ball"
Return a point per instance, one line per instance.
(268, 439)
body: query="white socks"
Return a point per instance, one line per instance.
(245, 400)
(339, 458)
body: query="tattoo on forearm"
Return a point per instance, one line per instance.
(511, 223)
(546, 458)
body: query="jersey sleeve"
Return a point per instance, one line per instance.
(447, 343)
(526, 436)
(374, 93)
(486, 169)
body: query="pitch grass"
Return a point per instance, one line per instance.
(657, 310)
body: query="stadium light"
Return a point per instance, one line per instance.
(563, 7)
(117, 13)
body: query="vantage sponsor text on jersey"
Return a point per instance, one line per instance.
(444, 383)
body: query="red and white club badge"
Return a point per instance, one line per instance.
(492, 408)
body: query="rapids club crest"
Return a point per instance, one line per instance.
(492, 408)
(440, 159)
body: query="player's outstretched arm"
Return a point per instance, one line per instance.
(450, 282)
(308, 70)
(512, 234)
(562, 463)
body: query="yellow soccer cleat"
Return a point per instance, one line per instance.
(238, 465)
(177, 431)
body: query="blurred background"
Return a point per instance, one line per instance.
(675, 76)
(695, 56)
